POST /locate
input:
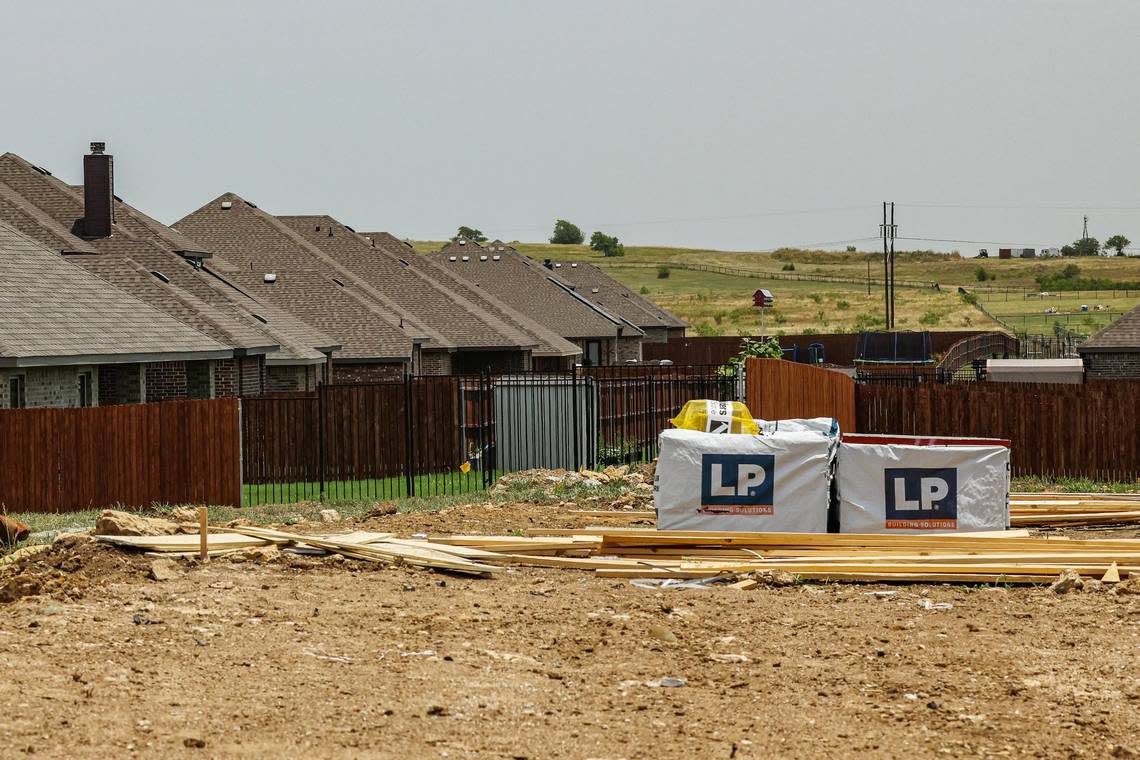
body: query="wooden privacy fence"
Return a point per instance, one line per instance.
(778, 389)
(174, 452)
(1090, 430)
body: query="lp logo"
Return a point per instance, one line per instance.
(919, 497)
(738, 484)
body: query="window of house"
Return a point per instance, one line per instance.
(86, 389)
(17, 399)
(593, 353)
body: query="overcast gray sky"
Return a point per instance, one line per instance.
(742, 125)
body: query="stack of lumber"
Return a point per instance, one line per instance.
(1073, 509)
(1037, 510)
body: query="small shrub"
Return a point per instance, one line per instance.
(980, 274)
(930, 318)
(644, 290)
(718, 317)
(662, 273)
(970, 298)
(810, 331)
(705, 330)
(779, 318)
(842, 305)
(816, 297)
(789, 267)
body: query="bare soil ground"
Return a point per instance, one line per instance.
(325, 657)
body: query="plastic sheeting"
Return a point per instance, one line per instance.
(779, 482)
(899, 488)
(828, 426)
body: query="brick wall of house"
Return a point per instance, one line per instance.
(1112, 366)
(366, 373)
(120, 384)
(435, 363)
(627, 350)
(656, 334)
(291, 377)
(225, 378)
(473, 362)
(49, 386)
(165, 381)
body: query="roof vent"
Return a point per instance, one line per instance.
(318, 229)
(574, 265)
(482, 258)
(452, 258)
(260, 318)
(593, 290)
(404, 262)
(270, 277)
(41, 170)
(227, 205)
(349, 229)
(338, 282)
(557, 266)
(161, 276)
(466, 258)
(251, 205)
(462, 241)
(501, 248)
(496, 257)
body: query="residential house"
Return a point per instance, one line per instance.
(1114, 352)
(69, 338)
(658, 324)
(539, 292)
(93, 228)
(549, 352)
(450, 329)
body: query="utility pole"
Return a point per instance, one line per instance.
(887, 231)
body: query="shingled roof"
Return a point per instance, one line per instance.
(154, 263)
(464, 322)
(548, 343)
(250, 244)
(53, 311)
(1121, 335)
(592, 282)
(532, 289)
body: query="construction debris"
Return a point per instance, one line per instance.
(112, 522)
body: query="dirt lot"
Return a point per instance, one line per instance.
(335, 658)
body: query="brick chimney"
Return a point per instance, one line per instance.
(98, 192)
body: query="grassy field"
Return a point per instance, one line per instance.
(718, 304)
(1026, 312)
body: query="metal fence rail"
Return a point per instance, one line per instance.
(453, 434)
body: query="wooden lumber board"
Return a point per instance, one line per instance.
(872, 577)
(1051, 570)
(603, 513)
(185, 542)
(1076, 518)
(423, 557)
(616, 540)
(1026, 496)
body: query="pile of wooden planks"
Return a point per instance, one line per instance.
(1073, 509)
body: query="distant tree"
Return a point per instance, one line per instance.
(607, 245)
(662, 272)
(471, 234)
(851, 249)
(1118, 243)
(1089, 246)
(1068, 250)
(566, 233)
(980, 274)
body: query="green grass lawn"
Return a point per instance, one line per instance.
(375, 489)
(1025, 311)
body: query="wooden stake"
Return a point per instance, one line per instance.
(203, 532)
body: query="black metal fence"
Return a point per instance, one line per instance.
(451, 434)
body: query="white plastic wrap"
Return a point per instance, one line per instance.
(823, 425)
(778, 483)
(896, 488)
